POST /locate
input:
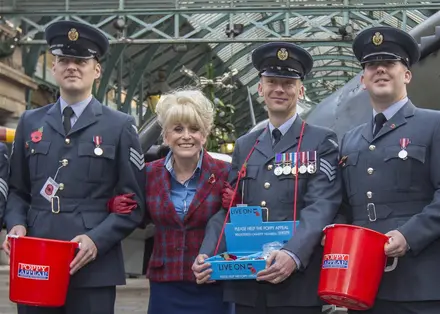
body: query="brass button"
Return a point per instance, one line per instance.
(32, 151)
(64, 162)
(372, 147)
(263, 203)
(61, 186)
(369, 194)
(370, 170)
(266, 185)
(67, 141)
(269, 167)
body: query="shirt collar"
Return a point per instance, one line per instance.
(78, 107)
(393, 109)
(285, 126)
(169, 162)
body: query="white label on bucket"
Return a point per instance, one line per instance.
(335, 261)
(37, 272)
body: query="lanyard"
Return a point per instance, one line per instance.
(242, 173)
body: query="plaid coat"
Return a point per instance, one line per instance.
(177, 242)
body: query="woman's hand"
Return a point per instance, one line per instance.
(121, 204)
(227, 194)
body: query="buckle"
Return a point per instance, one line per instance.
(371, 209)
(57, 210)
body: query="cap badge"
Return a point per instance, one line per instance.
(282, 54)
(377, 39)
(73, 34)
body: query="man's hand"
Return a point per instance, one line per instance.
(87, 253)
(396, 245)
(280, 270)
(323, 240)
(202, 271)
(17, 230)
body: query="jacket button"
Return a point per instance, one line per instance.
(67, 141)
(369, 194)
(370, 170)
(372, 147)
(269, 167)
(263, 204)
(266, 185)
(61, 186)
(64, 162)
(32, 151)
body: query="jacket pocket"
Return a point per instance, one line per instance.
(99, 167)
(405, 169)
(349, 173)
(37, 154)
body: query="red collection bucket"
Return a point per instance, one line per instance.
(352, 266)
(39, 270)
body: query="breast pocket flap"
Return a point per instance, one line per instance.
(88, 149)
(417, 152)
(41, 147)
(251, 172)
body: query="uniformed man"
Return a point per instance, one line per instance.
(287, 148)
(391, 173)
(69, 158)
(4, 172)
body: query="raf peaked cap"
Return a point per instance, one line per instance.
(282, 60)
(386, 43)
(74, 39)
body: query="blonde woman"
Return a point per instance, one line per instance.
(183, 190)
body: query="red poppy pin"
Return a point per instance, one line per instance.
(211, 179)
(37, 135)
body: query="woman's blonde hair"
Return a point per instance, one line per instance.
(188, 106)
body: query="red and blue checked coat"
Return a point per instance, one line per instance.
(177, 242)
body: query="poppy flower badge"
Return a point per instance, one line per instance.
(37, 135)
(211, 179)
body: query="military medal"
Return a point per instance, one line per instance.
(98, 150)
(287, 164)
(278, 169)
(403, 154)
(303, 167)
(294, 164)
(311, 168)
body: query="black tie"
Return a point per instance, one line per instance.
(276, 136)
(379, 121)
(67, 114)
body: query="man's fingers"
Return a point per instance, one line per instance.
(203, 279)
(76, 239)
(202, 267)
(6, 247)
(268, 276)
(81, 260)
(77, 259)
(270, 259)
(201, 258)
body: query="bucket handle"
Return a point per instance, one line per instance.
(392, 266)
(328, 226)
(14, 236)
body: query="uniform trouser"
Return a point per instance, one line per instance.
(261, 307)
(80, 301)
(392, 307)
(240, 309)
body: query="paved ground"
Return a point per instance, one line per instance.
(130, 299)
